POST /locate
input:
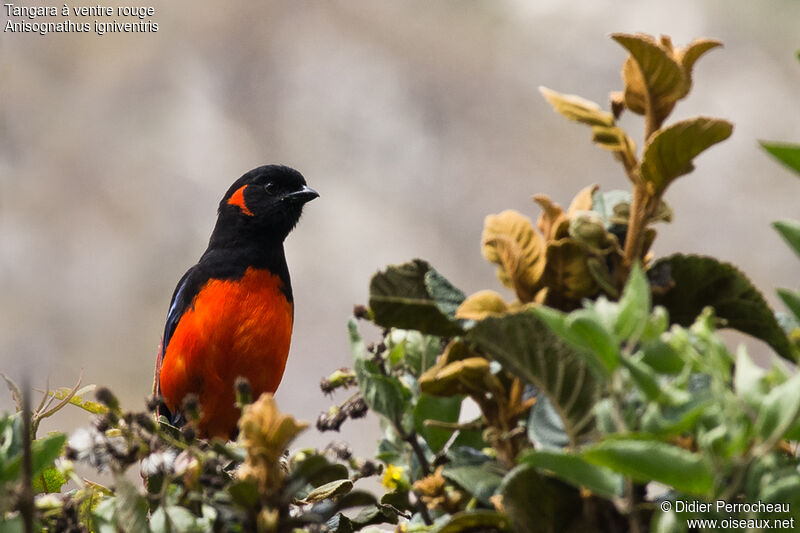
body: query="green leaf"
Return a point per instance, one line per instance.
(383, 394)
(579, 337)
(704, 281)
(526, 346)
(436, 408)
(668, 154)
(792, 301)
(536, 505)
(400, 298)
(605, 203)
(587, 332)
(668, 522)
(790, 231)
(545, 428)
(418, 351)
(650, 460)
(786, 153)
(131, 507)
(644, 377)
(778, 411)
(44, 452)
(479, 520)
(748, 379)
(12, 525)
(634, 306)
(373, 514)
(174, 519)
(481, 481)
(446, 295)
(340, 524)
(49, 481)
(244, 492)
(575, 470)
(662, 357)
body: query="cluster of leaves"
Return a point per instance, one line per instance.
(604, 388)
(188, 485)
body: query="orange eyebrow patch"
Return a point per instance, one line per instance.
(237, 199)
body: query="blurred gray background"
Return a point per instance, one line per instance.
(412, 119)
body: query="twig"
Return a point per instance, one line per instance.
(26, 494)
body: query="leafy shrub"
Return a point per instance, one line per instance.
(605, 399)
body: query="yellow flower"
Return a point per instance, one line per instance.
(394, 477)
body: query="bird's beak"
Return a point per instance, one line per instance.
(306, 194)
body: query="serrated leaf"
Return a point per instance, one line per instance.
(790, 231)
(510, 242)
(650, 460)
(668, 154)
(480, 305)
(650, 74)
(786, 153)
(574, 469)
(577, 108)
(704, 281)
(526, 347)
(399, 297)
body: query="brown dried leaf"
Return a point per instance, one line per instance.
(583, 200)
(480, 305)
(466, 376)
(651, 71)
(566, 274)
(510, 241)
(577, 108)
(690, 54)
(551, 218)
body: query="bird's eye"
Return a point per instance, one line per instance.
(269, 188)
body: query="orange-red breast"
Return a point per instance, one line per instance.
(231, 314)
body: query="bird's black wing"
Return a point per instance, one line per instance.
(185, 292)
